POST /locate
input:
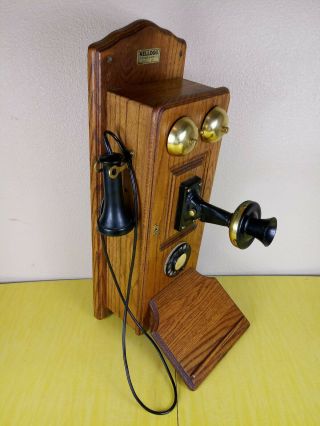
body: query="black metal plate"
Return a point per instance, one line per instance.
(182, 218)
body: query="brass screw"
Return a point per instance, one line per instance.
(192, 212)
(155, 229)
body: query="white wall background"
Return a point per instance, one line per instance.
(266, 52)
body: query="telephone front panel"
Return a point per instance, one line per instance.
(143, 117)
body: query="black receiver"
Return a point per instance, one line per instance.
(116, 215)
(118, 218)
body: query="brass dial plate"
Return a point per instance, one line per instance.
(177, 259)
(180, 262)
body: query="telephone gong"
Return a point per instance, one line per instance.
(177, 259)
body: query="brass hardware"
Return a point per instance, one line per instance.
(215, 125)
(177, 259)
(115, 170)
(245, 224)
(148, 56)
(155, 229)
(96, 167)
(235, 221)
(180, 261)
(183, 137)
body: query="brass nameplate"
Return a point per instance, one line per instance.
(148, 56)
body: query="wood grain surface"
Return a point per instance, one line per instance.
(141, 103)
(144, 127)
(59, 366)
(195, 323)
(112, 64)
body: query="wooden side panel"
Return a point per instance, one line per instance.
(133, 122)
(112, 63)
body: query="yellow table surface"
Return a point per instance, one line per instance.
(61, 366)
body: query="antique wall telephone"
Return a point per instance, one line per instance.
(168, 131)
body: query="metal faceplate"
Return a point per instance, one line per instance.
(177, 259)
(185, 214)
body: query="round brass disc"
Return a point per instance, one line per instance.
(180, 262)
(183, 137)
(238, 237)
(215, 125)
(235, 222)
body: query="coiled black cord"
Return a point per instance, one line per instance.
(126, 299)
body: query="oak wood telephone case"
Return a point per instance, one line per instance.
(137, 90)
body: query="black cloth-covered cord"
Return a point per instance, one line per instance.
(126, 299)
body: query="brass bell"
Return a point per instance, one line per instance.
(215, 125)
(183, 137)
